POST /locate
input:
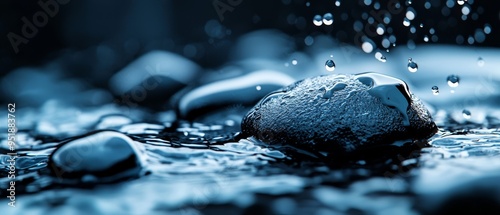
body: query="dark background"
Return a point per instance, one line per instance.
(82, 32)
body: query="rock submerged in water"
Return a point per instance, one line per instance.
(106, 155)
(338, 114)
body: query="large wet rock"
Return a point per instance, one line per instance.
(105, 155)
(335, 114)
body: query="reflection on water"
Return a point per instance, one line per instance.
(193, 167)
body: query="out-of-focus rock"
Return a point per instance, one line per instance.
(153, 78)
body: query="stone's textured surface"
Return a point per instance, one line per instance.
(242, 90)
(338, 113)
(153, 78)
(102, 154)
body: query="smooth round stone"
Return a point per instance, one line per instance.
(240, 90)
(153, 78)
(97, 155)
(337, 114)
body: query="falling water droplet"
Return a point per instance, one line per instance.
(435, 90)
(294, 62)
(453, 81)
(337, 3)
(461, 2)
(328, 19)
(258, 87)
(406, 22)
(379, 56)
(317, 20)
(480, 62)
(330, 65)
(412, 66)
(426, 38)
(466, 113)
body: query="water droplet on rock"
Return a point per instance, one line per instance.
(363, 112)
(329, 92)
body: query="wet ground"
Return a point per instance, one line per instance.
(204, 168)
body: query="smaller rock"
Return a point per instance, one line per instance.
(153, 78)
(106, 155)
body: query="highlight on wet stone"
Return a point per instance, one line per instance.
(107, 155)
(340, 114)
